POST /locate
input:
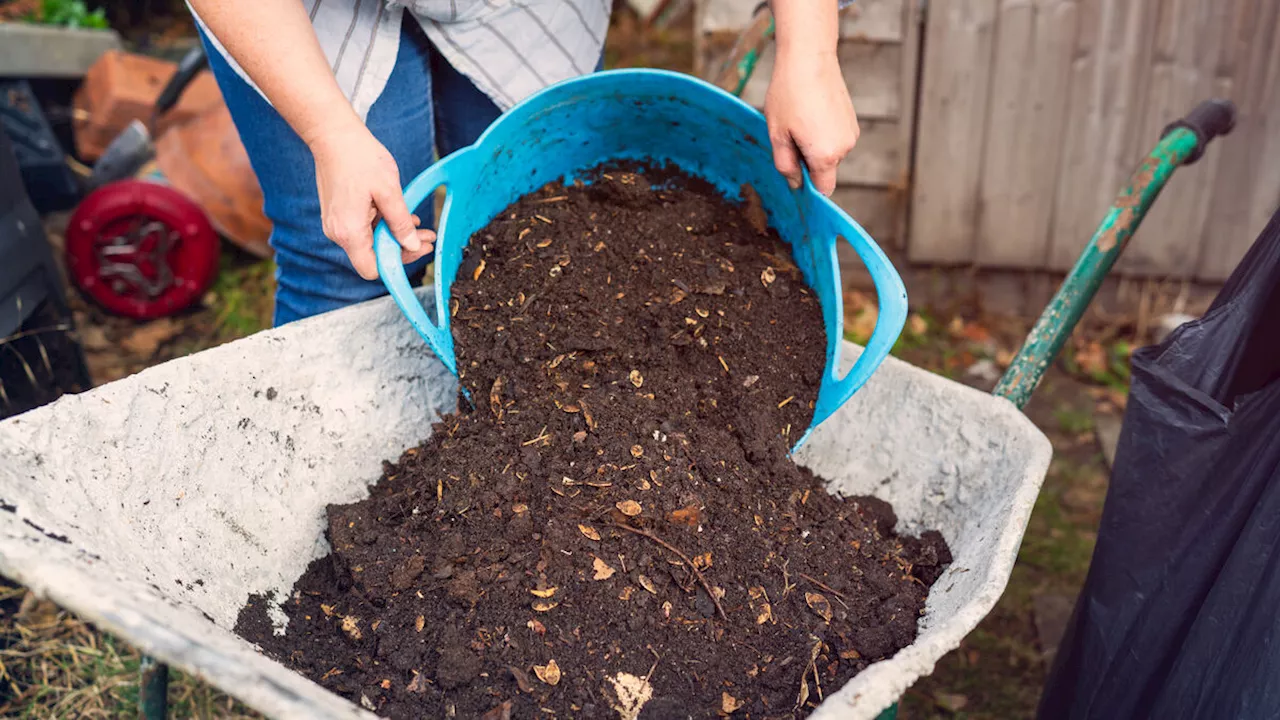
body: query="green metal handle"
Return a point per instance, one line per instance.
(1182, 143)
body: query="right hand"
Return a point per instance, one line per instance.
(359, 184)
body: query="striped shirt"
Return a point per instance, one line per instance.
(510, 49)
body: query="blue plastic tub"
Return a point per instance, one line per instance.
(658, 117)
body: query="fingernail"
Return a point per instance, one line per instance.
(411, 243)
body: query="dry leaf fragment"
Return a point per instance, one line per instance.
(636, 451)
(417, 685)
(850, 654)
(351, 626)
(327, 610)
(818, 604)
(636, 378)
(751, 380)
(625, 595)
(729, 704)
(632, 693)
(495, 397)
(702, 313)
(544, 243)
(603, 571)
(479, 270)
(555, 362)
(760, 605)
(571, 408)
(688, 515)
(767, 276)
(647, 584)
(549, 673)
(544, 593)
(580, 436)
(501, 711)
(420, 623)
(703, 561)
(589, 531)
(666, 610)
(630, 508)
(537, 627)
(519, 508)
(544, 605)
(522, 679)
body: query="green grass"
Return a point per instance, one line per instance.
(1073, 421)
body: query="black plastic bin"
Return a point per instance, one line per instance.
(40, 357)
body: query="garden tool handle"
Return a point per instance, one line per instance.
(191, 64)
(1207, 120)
(891, 295)
(448, 172)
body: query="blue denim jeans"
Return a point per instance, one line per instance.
(427, 106)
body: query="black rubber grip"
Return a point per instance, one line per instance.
(192, 63)
(1208, 120)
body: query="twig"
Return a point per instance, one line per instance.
(824, 586)
(705, 585)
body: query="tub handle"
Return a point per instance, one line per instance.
(448, 172)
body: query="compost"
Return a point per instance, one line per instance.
(612, 526)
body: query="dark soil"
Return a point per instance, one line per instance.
(620, 501)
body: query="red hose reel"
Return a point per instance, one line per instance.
(141, 249)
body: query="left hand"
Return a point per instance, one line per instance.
(810, 116)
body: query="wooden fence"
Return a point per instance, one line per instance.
(1031, 115)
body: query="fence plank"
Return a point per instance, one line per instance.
(956, 81)
(1113, 46)
(1246, 190)
(1029, 98)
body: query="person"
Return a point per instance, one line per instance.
(336, 101)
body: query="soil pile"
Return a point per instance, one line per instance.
(616, 526)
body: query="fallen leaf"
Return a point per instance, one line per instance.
(571, 408)
(555, 362)
(522, 679)
(544, 605)
(385, 684)
(1092, 359)
(519, 508)
(729, 704)
(702, 313)
(751, 380)
(501, 712)
(703, 561)
(495, 398)
(420, 623)
(603, 571)
(589, 531)
(688, 515)
(544, 593)
(767, 276)
(351, 626)
(580, 436)
(818, 604)
(636, 378)
(951, 702)
(549, 673)
(760, 605)
(625, 595)
(666, 610)
(537, 627)
(479, 270)
(148, 338)
(417, 685)
(632, 693)
(850, 654)
(647, 584)
(630, 508)
(636, 451)
(326, 609)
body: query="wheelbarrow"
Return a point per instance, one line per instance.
(155, 505)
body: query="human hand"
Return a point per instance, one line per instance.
(359, 184)
(810, 116)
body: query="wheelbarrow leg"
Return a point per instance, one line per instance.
(1182, 144)
(153, 689)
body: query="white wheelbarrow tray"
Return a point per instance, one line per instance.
(155, 505)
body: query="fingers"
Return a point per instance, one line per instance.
(786, 157)
(403, 226)
(426, 240)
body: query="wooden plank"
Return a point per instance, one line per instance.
(873, 72)
(956, 81)
(1113, 45)
(878, 158)
(1246, 190)
(1029, 99)
(875, 209)
(913, 13)
(1186, 55)
(875, 20)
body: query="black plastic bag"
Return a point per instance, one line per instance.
(1180, 614)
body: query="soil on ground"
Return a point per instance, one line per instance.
(615, 524)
